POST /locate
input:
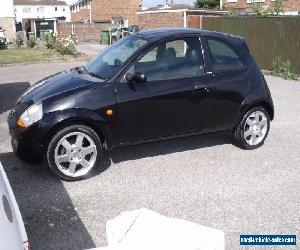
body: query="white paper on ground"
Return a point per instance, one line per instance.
(144, 229)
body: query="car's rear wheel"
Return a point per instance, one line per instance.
(253, 129)
(74, 152)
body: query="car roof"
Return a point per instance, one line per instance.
(161, 33)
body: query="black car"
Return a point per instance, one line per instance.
(154, 85)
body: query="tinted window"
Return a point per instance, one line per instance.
(175, 59)
(223, 57)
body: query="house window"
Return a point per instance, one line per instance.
(26, 10)
(55, 8)
(40, 10)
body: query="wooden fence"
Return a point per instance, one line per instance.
(267, 37)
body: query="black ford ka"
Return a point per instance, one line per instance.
(154, 85)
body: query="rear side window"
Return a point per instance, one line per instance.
(224, 58)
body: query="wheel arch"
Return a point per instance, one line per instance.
(98, 125)
(261, 103)
(246, 107)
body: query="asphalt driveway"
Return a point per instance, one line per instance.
(204, 179)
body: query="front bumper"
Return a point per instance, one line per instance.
(28, 152)
(27, 143)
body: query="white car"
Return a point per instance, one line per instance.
(12, 231)
(2, 34)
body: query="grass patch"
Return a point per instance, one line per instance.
(30, 55)
(283, 69)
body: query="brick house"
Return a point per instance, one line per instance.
(105, 11)
(291, 7)
(174, 15)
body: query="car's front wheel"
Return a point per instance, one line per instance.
(74, 152)
(253, 129)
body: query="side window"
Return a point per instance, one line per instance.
(175, 59)
(223, 57)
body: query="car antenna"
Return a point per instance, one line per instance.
(141, 28)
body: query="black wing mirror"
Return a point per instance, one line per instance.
(136, 77)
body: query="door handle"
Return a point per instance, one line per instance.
(201, 88)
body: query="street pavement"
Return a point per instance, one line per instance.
(90, 49)
(204, 179)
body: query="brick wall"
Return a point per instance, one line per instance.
(161, 19)
(194, 19)
(85, 32)
(289, 5)
(8, 24)
(81, 15)
(172, 19)
(104, 10)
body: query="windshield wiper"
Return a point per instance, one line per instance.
(83, 69)
(95, 75)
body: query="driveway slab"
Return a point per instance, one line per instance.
(204, 179)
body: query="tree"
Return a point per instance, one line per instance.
(278, 7)
(259, 10)
(231, 12)
(277, 10)
(209, 4)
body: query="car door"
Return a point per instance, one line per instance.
(230, 82)
(173, 99)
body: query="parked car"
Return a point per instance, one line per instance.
(12, 231)
(2, 32)
(133, 29)
(151, 86)
(117, 33)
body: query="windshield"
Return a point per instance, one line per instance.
(108, 62)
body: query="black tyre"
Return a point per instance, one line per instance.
(74, 152)
(253, 129)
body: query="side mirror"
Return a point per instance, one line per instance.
(136, 78)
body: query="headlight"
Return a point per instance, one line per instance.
(31, 115)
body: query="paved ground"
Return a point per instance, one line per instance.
(204, 179)
(90, 49)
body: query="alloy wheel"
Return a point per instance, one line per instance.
(75, 154)
(255, 128)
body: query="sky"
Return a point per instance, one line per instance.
(149, 3)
